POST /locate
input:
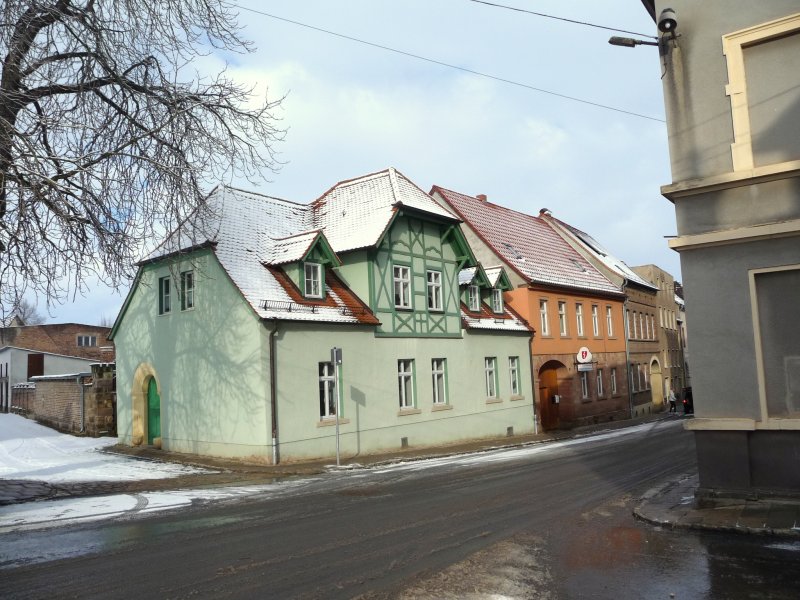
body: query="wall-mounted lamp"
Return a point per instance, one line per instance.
(629, 42)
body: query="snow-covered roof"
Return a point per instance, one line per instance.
(527, 244)
(292, 248)
(248, 231)
(493, 273)
(465, 276)
(355, 213)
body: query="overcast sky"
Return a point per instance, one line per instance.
(353, 108)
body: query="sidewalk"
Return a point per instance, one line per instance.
(218, 472)
(674, 505)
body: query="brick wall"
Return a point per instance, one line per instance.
(22, 396)
(57, 403)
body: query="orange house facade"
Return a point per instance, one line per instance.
(578, 352)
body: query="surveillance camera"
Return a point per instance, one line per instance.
(667, 21)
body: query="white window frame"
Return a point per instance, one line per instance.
(187, 290)
(490, 375)
(613, 380)
(562, 318)
(405, 382)
(579, 318)
(543, 317)
(633, 378)
(595, 320)
(599, 383)
(439, 376)
(312, 278)
(513, 375)
(497, 300)
(164, 295)
(401, 276)
(87, 341)
(584, 377)
(326, 372)
(434, 283)
(609, 321)
(733, 45)
(474, 298)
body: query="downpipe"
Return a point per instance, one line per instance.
(273, 394)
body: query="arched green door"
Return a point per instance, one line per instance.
(153, 411)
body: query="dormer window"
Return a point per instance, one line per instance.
(313, 280)
(474, 298)
(497, 300)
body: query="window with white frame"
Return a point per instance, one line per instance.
(474, 298)
(609, 322)
(599, 383)
(434, 290)
(639, 376)
(641, 326)
(595, 320)
(164, 302)
(645, 370)
(327, 387)
(545, 322)
(513, 375)
(402, 286)
(313, 280)
(87, 341)
(630, 325)
(635, 333)
(562, 318)
(490, 372)
(613, 380)
(497, 301)
(439, 376)
(579, 318)
(187, 290)
(584, 385)
(405, 382)
(633, 377)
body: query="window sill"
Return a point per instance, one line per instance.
(404, 308)
(441, 406)
(403, 412)
(585, 400)
(331, 422)
(494, 400)
(517, 398)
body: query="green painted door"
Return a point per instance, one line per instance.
(153, 411)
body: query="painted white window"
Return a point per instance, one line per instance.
(635, 333)
(599, 380)
(543, 317)
(661, 316)
(434, 290)
(187, 290)
(164, 303)
(584, 385)
(645, 370)
(609, 322)
(405, 382)
(490, 371)
(595, 320)
(630, 326)
(474, 298)
(497, 301)
(327, 386)
(613, 380)
(313, 280)
(641, 326)
(438, 374)
(402, 287)
(579, 318)
(633, 377)
(87, 341)
(562, 318)
(513, 374)
(639, 376)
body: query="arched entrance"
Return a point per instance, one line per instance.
(146, 395)
(153, 411)
(549, 395)
(656, 384)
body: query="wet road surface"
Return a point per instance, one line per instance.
(552, 521)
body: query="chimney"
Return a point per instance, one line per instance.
(481, 197)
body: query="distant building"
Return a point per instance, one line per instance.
(571, 305)
(31, 350)
(731, 79)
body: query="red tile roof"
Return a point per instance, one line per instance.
(61, 338)
(527, 244)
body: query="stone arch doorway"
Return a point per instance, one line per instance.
(549, 394)
(656, 384)
(146, 410)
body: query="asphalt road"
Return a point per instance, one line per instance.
(545, 522)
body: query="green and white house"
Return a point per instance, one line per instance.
(224, 342)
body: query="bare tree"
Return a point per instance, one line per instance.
(25, 311)
(108, 136)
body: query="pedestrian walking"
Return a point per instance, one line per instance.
(672, 402)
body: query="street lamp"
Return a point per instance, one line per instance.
(629, 42)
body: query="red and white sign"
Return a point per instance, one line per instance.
(584, 356)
